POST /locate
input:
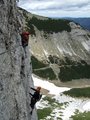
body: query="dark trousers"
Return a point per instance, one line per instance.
(33, 102)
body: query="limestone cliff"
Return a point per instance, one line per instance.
(15, 66)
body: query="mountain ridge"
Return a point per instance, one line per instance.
(84, 22)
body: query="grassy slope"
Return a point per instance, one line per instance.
(71, 69)
(68, 69)
(81, 116)
(79, 92)
(44, 73)
(43, 113)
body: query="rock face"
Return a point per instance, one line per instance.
(15, 67)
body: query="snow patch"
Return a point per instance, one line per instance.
(49, 86)
(86, 107)
(70, 105)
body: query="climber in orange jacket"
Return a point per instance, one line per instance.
(25, 38)
(35, 97)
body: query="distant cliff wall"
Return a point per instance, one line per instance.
(60, 48)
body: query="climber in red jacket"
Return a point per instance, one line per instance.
(35, 97)
(25, 38)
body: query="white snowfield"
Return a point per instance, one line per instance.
(74, 104)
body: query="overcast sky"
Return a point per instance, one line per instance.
(57, 8)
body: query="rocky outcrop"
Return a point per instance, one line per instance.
(15, 66)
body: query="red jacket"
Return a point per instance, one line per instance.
(25, 38)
